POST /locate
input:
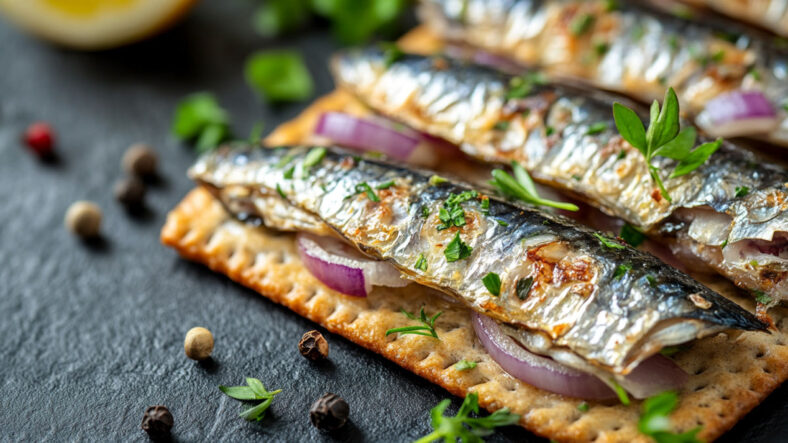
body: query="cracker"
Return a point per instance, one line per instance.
(728, 375)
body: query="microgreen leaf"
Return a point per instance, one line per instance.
(427, 327)
(279, 76)
(655, 423)
(519, 189)
(493, 283)
(462, 426)
(761, 297)
(253, 391)
(457, 249)
(239, 392)
(679, 147)
(696, 158)
(630, 127)
(464, 365)
(199, 117)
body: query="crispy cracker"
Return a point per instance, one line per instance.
(729, 376)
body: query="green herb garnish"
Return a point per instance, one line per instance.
(427, 328)
(632, 235)
(464, 365)
(608, 243)
(621, 271)
(742, 191)
(493, 283)
(522, 86)
(523, 188)
(288, 174)
(253, 391)
(485, 205)
(523, 286)
(621, 393)
(601, 48)
(667, 351)
(501, 222)
(457, 249)
(314, 156)
(761, 297)
(754, 73)
(596, 128)
(655, 423)
(663, 138)
(364, 187)
(421, 263)
(385, 185)
(463, 427)
(279, 76)
(651, 281)
(435, 180)
(501, 125)
(391, 53)
(280, 191)
(549, 130)
(452, 213)
(581, 24)
(199, 117)
(583, 407)
(425, 211)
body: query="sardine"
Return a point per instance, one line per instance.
(609, 307)
(767, 14)
(628, 48)
(731, 213)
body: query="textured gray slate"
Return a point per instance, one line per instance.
(90, 335)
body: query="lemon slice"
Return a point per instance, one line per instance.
(94, 24)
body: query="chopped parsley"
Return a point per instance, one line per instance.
(522, 86)
(601, 48)
(281, 193)
(421, 263)
(663, 138)
(199, 118)
(288, 174)
(464, 365)
(391, 53)
(452, 214)
(522, 188)
(549, 131)
(655, 423)
(485, 206)
(364, 187)
(427, 327)
(425, 211)
(742, 191)
(501, 222)
(523, 286)
(761, 297)
(284, 161)
(581, 24)
(596, 128)
(385, 185)
(651, 281)
(457, 249)
(632, 235)
(493, 283)
(621, 271)
(754, 73)
(608, 243)
(583, 407)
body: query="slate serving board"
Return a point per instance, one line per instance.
(91, 334)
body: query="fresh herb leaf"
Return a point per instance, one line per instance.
(391, 53)
(596, 128)
(522, 86)
(655, 423)
(583, 407)
(501, 222)
(549, 130)
(601, 48)
(314, 156)
(651, 281)
(425, 211)
(501, 125)
(742, 191)
(485, 205)
(493, 283)
(364, 187)
(632, 235)
(457, 249)
(385, 185)
(281, 192)
(277, 17)
(523, 286)
(256, 133)
(253, 391)
(355, 21)
(288, 174)
(199, 117)
(421, 263)
(284, 161)
(462, 426)
(435, 180)
(464, 365)
(581, 24)
(279, 76)
(621, 271)
(669, 350)
(523, 188)
(452, 213)
(608, 243)
(663, 138)
(621, 393)
(761, 297)
(754, 73)
(427, 328)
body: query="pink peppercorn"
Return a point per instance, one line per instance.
(40, 139)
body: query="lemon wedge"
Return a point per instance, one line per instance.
(94, 24)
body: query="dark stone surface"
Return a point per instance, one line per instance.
(92, 333)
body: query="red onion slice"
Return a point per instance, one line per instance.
(654, 375)
(366, 135)
(342, 268)
(738, 113)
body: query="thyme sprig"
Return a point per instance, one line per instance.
(427, 328)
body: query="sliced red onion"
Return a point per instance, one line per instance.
(738, 113)
(366, 135)
(654, 375)
(342, 268)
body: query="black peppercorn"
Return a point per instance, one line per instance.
(130, 191)
(313, 346)
(157, 422)
(329, 412)
(140, 160)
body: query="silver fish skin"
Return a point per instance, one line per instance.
(767, 14)
(567, 138)
(579, 298)
(634, 50)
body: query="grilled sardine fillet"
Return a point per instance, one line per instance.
(731, 213)
(631, 49)
(577, 309)
(767, 14)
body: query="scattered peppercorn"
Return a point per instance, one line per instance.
(157, 422)
(198, 344)
(130, 192)
(140, 160)
(329, 412)
(40, 138)
(313, 346)
(83, 218)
